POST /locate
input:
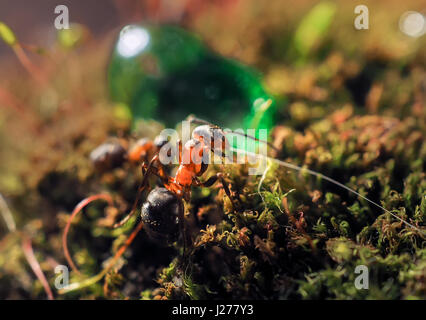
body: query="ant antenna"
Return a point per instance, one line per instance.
(193, 119)
(142, 185)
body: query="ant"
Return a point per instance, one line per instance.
(113, 154)
(162, 214)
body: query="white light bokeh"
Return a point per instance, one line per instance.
(412, 24)
(132, 41)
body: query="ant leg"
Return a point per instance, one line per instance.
(145, 173)
(179, 142)
(161, 173)
(210, 181)
(182, 226)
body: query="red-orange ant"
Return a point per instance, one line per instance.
(163, 212)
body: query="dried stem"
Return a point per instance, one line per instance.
(112, 262)
(35, 266)
(76, 210)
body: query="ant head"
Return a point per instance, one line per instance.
(160, 214)
(140, 150)
(160, 141)
(213, 137)
(213, 133)
(143, 142)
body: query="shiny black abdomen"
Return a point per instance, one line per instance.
(160, 214)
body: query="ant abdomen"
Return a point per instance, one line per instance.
(160, 214)
(108, 155)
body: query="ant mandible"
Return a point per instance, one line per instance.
(162, 214)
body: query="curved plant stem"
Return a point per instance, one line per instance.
(35, 72)
(92, 280)
(76, 210)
